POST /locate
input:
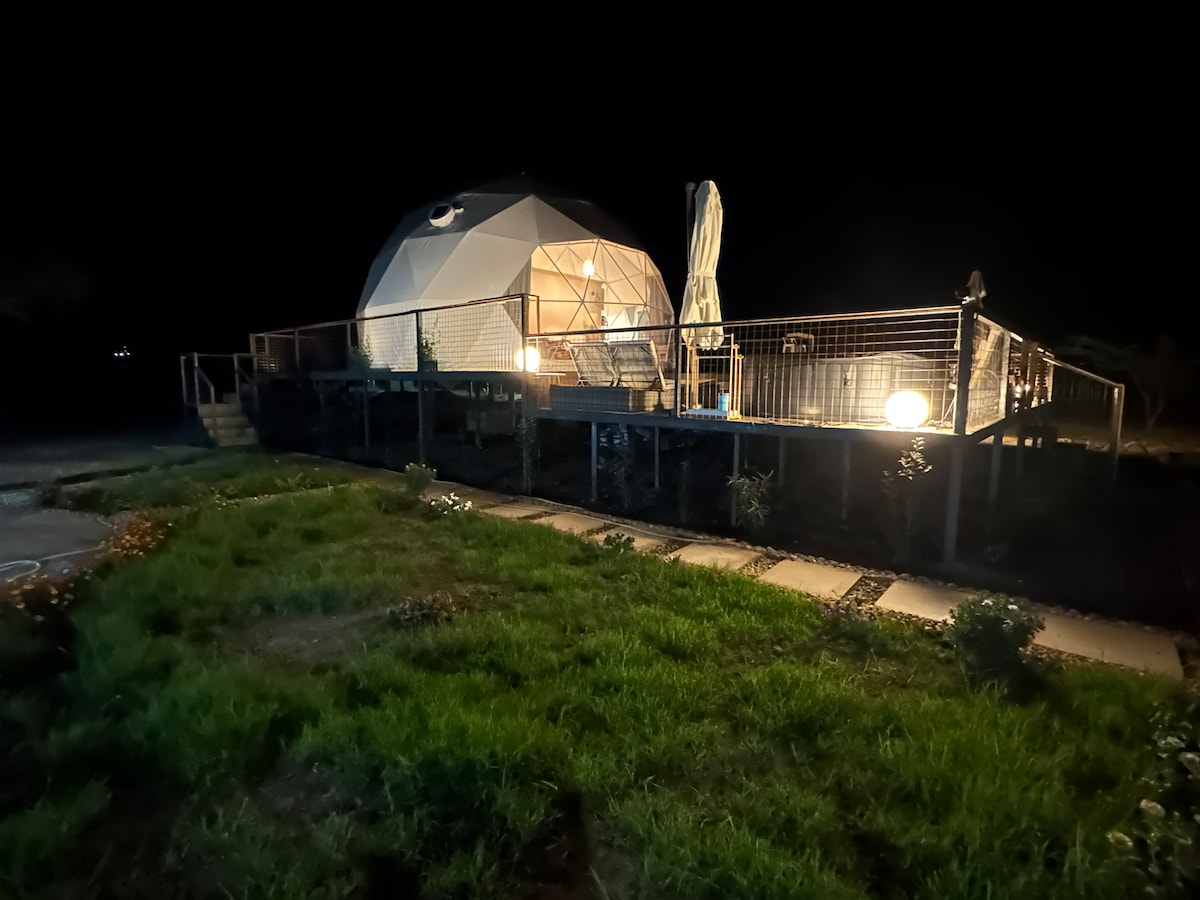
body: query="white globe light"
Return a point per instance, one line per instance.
(528, 359)
(589, 268)
(906, 409)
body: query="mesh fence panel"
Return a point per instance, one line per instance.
(988, 393)
(833, 370)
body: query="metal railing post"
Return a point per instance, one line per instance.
(962, 408)
(183, 380)
(966, 351)
(296, 345)
(678, 368)
(196, 377)
(1118, 415)
(420, 391)
(595, 463)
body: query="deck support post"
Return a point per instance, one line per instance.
(657, 459)
(420, 419)
(595, 462)
(387, 422)
(366, 414)
(953, 504)
(478, 405)
(994, 478)
(845, 507)
(737, 467)
(320, 389)
(1118, 413)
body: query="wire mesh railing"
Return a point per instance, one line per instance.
(897, 368)
(483, 336)
(814, 370)
(881, 368)
(988, 390)
(1086, 408)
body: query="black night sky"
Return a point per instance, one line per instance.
(185, 231)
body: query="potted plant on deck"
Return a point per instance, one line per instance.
(427, 360)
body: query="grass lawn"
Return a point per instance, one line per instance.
(333, 693)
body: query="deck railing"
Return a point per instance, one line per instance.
(896, 368)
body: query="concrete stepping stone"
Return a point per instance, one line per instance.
(929, 601)
(1123, 645)
(641, 542)
(512, 510)
(718, 556)
(820, 581)
(572, 523)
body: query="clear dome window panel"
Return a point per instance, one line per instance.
(558, 316)
(661, 303)
(553, 284)
(622, 280)
(622, 293)
(571, 275)
(572, 257)
(623, 263)
(587, 317)
(552, 254)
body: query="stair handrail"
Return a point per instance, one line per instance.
(240, 376)
(200, 374)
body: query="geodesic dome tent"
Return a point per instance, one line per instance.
(506, 238)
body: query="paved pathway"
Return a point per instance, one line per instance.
(52, 542)
(1122, 644)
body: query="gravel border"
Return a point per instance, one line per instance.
(757, 566)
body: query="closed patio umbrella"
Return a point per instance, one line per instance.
(701, 300)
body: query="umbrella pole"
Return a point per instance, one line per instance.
(689, 217)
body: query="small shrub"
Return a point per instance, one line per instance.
(417, 479)
(360, 357)
(751, 500)
(450, 503)
(1164, 843)
(992, 633)
(902, 490)
(617, 459)
(427, 344)
(617, 542)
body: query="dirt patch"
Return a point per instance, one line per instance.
(312, 640)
